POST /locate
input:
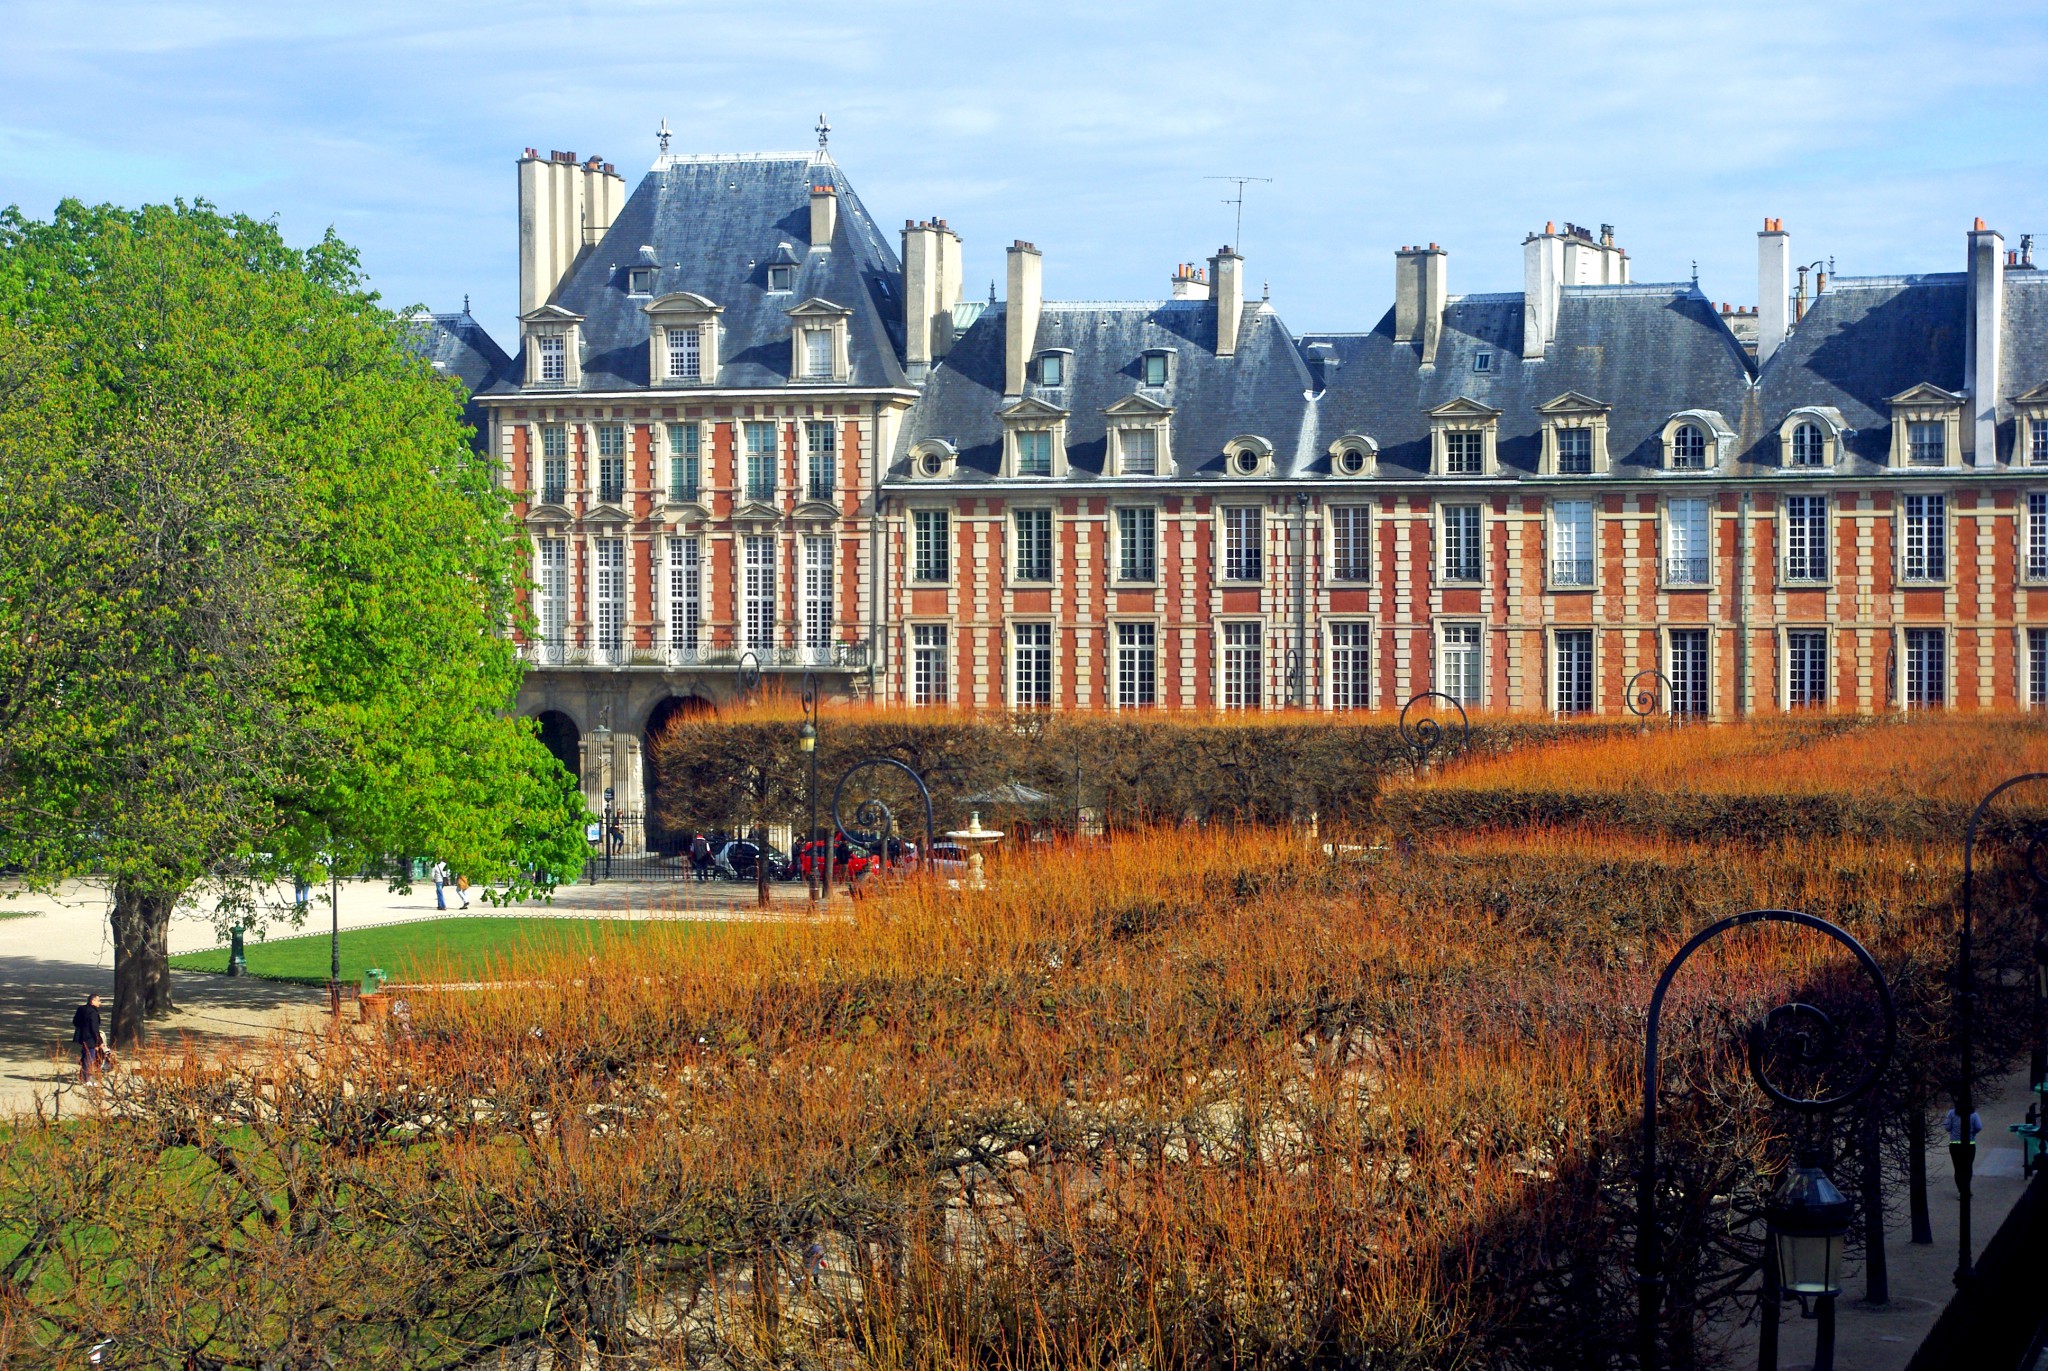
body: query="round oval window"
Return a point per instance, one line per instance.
(932, 464)
(1351, 462)
(1247, 461)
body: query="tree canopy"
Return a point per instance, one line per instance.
(256, 577)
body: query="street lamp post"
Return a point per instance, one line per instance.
(1646, 693)
(875, 811)
(1427, 734)
(1962, 1149)
(1803, 1214)
(807, 743)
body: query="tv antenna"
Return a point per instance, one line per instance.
(1238, 200)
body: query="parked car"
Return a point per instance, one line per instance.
(735, 861)
(949, 859)
(850, 863)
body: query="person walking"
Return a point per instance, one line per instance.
(440, 875)
(700, 857)
(462, 890)
(90, 1037)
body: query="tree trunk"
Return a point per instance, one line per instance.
(1916, 1174)
(140, 925)
(1877, 1286)
(160, 1003)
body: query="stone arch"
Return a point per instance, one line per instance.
(665, 712)
(559, 735)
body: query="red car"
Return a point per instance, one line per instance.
(851, 864)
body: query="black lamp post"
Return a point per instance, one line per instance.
(873, 812)
(1646, 693)
(1809, 1217)
(807, 743)
(1426, 735)
(1962, 1148)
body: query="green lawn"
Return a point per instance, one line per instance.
(444, 949)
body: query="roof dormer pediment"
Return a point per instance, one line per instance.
(551, 314)
(2037, 396)
(1138, 407)
(681, 302)
(1465, 407)
(815, 308)
(1572, 402)
(1926, 394)
(1030, 407)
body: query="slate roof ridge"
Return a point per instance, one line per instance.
(1590, 289)
(1918, 278)
(671, 159)
(1111, 304)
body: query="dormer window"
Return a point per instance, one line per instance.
(1034, 439)
(818, 341)
(1697, 440)
(1247, 456)
(1052, 369)
(1927, 427)
(1482, 361)
(1139, 430)
(932, 460)
(2030, 428)
(1354, 455)
(682, 340)
(1158, 368)
(553, 344)
(781, 279)
(1574, 436)
(1462, 438)
(1810, 438)
(640, 281)
(554, 365)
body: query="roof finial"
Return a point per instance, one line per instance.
(465, 302)
(662, 135)
(824, 132)
(1695, 273)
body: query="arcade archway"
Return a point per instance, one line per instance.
(559, 735)
(664, 713)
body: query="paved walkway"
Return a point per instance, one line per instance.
(56, 948)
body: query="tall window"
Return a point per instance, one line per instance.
(1686, 525)
(1808, 450)
(1464, 452)
(1571, 554)
(1461, 543)
(611, 463)
(757, 591)
(1243, 544)
(818, 592)
(1806, 668)
(2037, 667)
(1350, 666)
(2037, 535)
(1806, 537)
(818, 354)
(823, 448)
(1575, 671)
(1926, 550)
(1458, 663)
(1137, 544)
(1574, 451)
(2037, 442)
(608, 591)
(1140, 448)
(1924, 445)
(551, 606)
(1034, 453)
(930, 556)
(928, 664)
(1243, 665)
(686, 353)
(1926, 668)
(685, 596)
(761, 462)
(1031, 665)
(684, 465)
(1691, 693)
(1034, 544)
(1689, 448)
(554, 357)
(1351, 542)
(554, 464)
(1137, 666)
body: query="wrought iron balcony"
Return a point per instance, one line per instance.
(1685, 571)
(1571, 571)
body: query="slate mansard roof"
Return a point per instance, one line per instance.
(715, 225)
(1261, 390)
(457, 345)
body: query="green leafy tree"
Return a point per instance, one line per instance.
(323, 683)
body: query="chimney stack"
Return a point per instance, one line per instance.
(1189, 283)
(1542, 282)
(824, 213)
(1020, 313)
(931, 287)
(1421, 289)
(564, 207)
(1773, 288)
(1981, 345)
(1226, 287)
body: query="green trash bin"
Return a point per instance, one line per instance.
(373, 979)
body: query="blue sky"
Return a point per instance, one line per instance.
(1877, 131)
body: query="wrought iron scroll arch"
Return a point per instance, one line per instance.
(874, 809)
(1426, 734)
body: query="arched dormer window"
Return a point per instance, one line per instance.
(1354, 456)
(1810, 439)
(934, 459)
(1247, 457)
(682, 340)
(1697, 440)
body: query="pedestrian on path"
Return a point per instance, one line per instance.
(700, 857)
(440, 875)
(462, 890)
(90, 1037)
